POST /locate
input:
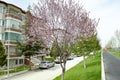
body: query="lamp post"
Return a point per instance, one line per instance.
(8, 56)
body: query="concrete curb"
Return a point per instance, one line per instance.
(103, 71)
(11, 75)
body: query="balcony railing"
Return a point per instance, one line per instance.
(13, 29)
(14, 15)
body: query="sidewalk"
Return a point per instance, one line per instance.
(12, 74)
(46, 74)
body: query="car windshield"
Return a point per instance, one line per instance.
(58, 58)
(45, 62)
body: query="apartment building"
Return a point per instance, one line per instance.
(12, 18)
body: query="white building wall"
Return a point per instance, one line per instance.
(12, 46)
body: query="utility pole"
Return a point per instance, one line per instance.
(8, 56)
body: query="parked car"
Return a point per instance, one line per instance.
(70, 58)
(78, 55)
(47, 64)
(57, 60)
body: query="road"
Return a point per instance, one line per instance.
(46, 74)
(111, 66)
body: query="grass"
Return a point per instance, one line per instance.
(21, 68)
(114, 52)
(49, 59)
(92, 72)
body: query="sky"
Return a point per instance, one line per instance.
(107, 10)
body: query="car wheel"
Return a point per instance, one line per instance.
(53, 65)
(48, 67)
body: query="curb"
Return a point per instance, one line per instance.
(103, 71)
(11, 75)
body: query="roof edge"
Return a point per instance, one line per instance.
(12, 5)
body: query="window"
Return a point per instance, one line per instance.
(1, 9)
(20, 61)
(1, 22)
(13, 24)
(4, 10)
(1, 36)
(13, 36)
(16, 62)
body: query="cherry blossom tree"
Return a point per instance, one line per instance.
(117, 37)
(64, 22)
(3, 57)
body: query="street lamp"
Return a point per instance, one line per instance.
(8, 57)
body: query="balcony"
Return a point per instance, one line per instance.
(12, 29)
(14, 15)
(10, 43)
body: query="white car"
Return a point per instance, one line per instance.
(57, 60)
(70, 58)
(47, 64)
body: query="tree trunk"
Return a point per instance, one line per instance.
(63, 71)
(84, 62)
(30, 63)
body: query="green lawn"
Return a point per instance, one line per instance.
(49, 58)
(92, 72)
(114, 52)
(21, 68)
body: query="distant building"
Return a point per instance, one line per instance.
(12, 18)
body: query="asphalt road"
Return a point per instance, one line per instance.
(111, 66)
(46, 74)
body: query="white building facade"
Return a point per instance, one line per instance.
(12, 18)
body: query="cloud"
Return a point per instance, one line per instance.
(20, 3)
(109, 14)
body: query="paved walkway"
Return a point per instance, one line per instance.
(13, 74)
(102, 66)
(112, 66)
(47, 74)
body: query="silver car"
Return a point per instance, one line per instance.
(70, 58)
(47, 64)
(57, 60)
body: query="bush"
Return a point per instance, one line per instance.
(18, 69)
(49, 59)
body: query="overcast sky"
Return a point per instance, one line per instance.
(107, 10)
